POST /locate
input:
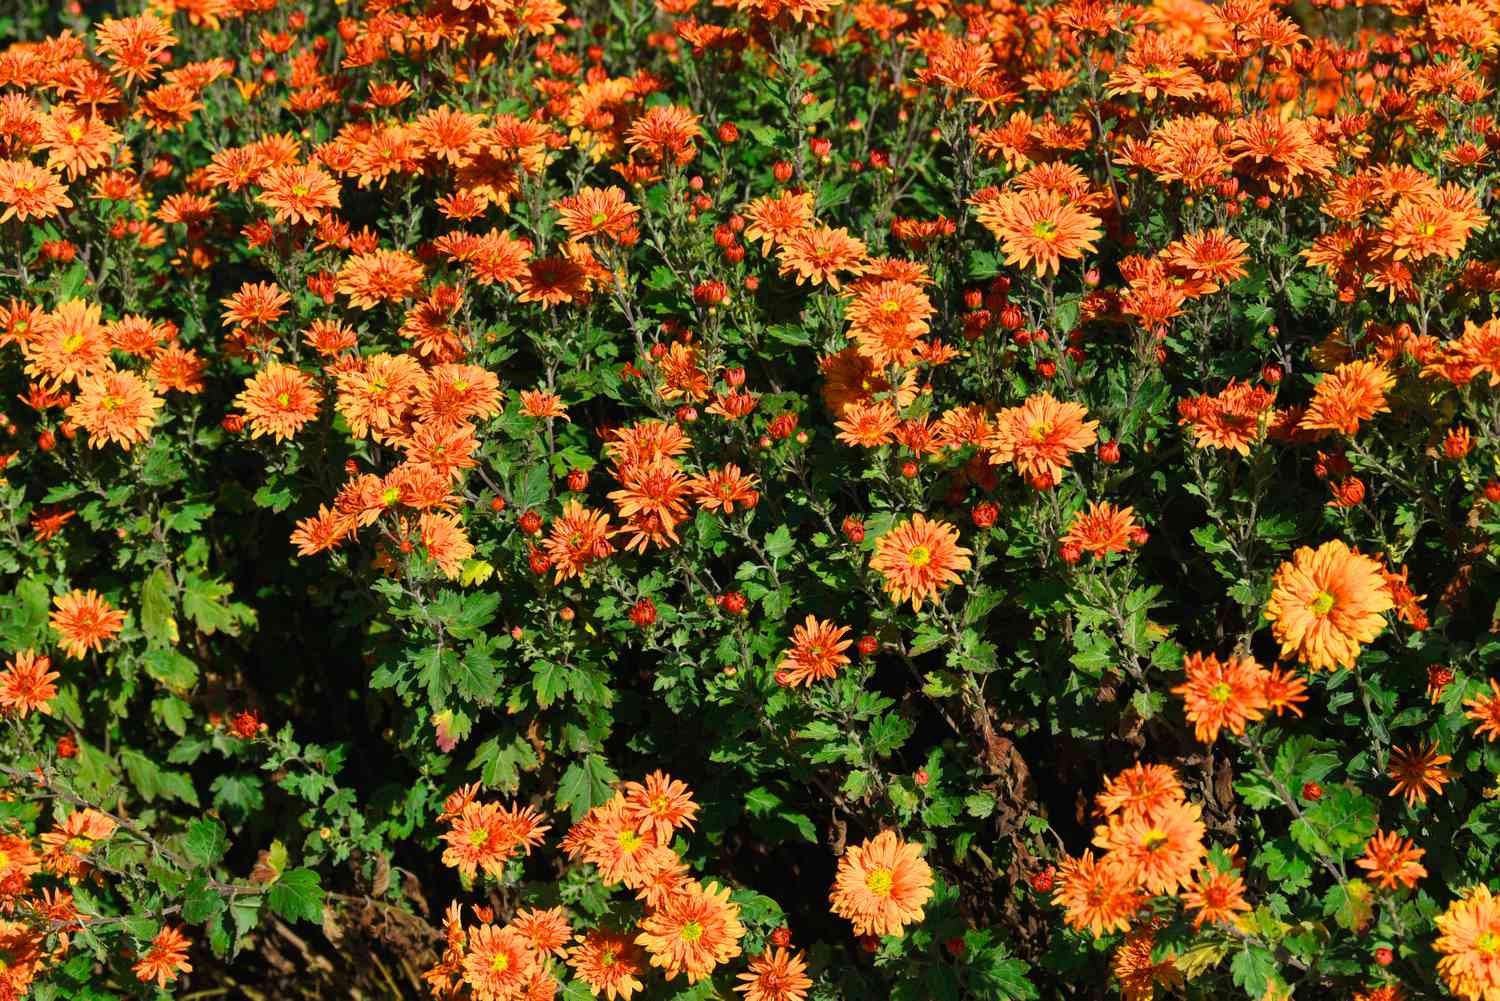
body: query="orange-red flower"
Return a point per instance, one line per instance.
(1038, 228)
(278, 400)
(26, 684)
(693, 931)
(379, 276)
(919, 558)
(166, 958)
(298, 193)
(881, 885)
(30, 192)
(83, 620)
(662, 804)
(115, 406)
(1418, 770)
(1353, 392)
(1484, 710)
(609, 963)
(1095, 898)
(775, 975)
(1157, 852)
(1391, 859)
(1102, 529)
(817, 652)
(1040, 436)
(1221, 694)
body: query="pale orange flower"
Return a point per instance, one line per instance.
(775, 975)
(298, 193)
(115, 406)
(1157, 852)
(1040, 436)
(166, 958)
(1468, 945)
(1038, 228)
(1094, 897)
(1325, 603)
(609, 963)
(380, 276)
(881, 885)
(1221, 694)
(692, 932)
(279, 400)
(30, 192)
(918, 559)
(26, 684)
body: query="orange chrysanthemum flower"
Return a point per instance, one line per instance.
(1157, 852)
(817, 652)
(1094, 897)
(1215, 897)
(609, 963)
(84, 620)
(597, 212)
(919, 558)
(775, 975)
(1040, 436)
(133, 45)
(1485, 711)
(487, 835)
(662, 804)
(1353, 392)
(1391, 859)
(26, 684)
(1418, 770)
(1140, 791)
(255, 305)
(278, 400)
(1102, 529)
(693, 931)
(30, 192)
(380, 276)
(815, 255)
(298, 193)
(887, 321)
(499, 965)
(1221, 694)
(579, 537)
(166, 958)
(1038, 228)
(68, 342)
(1234, 419)
(74, 142)
(773, 220)
(1468, 945)
(115, 406)
(446, 542)
(881, 885)
(1325, 603)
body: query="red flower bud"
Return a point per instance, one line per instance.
(854, 530)
(1109, 452)
(1312, 792)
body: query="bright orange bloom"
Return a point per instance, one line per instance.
(692, 932)
(68, 342)
(662, 804)
(867, 425)
(548, 931)
(298, 193)
(67, 846)
(115, 406)
(722, 489)
(278, 400)
(817, 254)
(919, 558)
(597, 212)
(1038, 228)
(83, 620)
(487, 835)
(624, 850)
(166, 958)
(536, 403)
(1157, 852)
(380, 276)
(1040, 436)
(256, 304)
(76, 143)
(1094, 897)
(26, 684)
(652, 501)
(1212, 256)
(881, 885)
(500, 964)
(1218, 695)
(30, 192)
(375, 397)
(446, 542)
(1485, 711)
(579, 536)
(1353, 392)
(133, 45)
(817, 652)
(887, 321)
(1140, 791)
(775, 975)
(1102, 529)
(1391, 859)
(1231, 420)
(1418, 770)
(1469, 945)
(664, 133)
(609, 963)
(1325, 603)
(1215, 897)
(772, 220)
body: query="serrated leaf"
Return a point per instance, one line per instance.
(297, 896)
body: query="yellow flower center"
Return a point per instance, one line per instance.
(1154, 839)
(659, 804)
(1040, 430)
(500, 963)
(630, 841)
(1220, 693)
(390, 496)
(300, 190)
(81, 844)
(1322, 604)
(691, 932)
(4, 861)
(285, 399)
(478, 837)
(110, 403)
(919, 556)
(1488, 943)
(1045, 229)
(73, 343)
(460, 385)
(1428, 229)
(27, 186)
(889, 306)
(597, 219)
(879, 882)
(608, 957)
(75, 132)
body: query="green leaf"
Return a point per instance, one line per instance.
(585, 785)
(203, 601)
(157, 620)
(207, 841)
(779, 542)
(200, 903)
(170, 668)
(297, 896)
(1252, 969)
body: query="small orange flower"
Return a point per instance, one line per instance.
(1391, 859)
(1038, 228)
(1102, 529)
(1418, 770)
(1040, 436)
(881, 885)
(30, 192)
(298, 193)
(380, 276)
(919, 558)
(597, 212)
(26, 684)
(775, 975)
(1326, 602)
(662, 804)
(609, 963)
(1485, 711)
(1353, 392)
(1217, 695)
(1157, 852)
(278, 400)
(1094, 897)
(693, 931)
(817, 652)
(166, 958)
(1215, 897)
(84, 620)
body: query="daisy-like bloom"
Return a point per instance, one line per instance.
(298, 193)
(1215, 897)
(579, 537)
(330, 338)
(608, 963)
(919, 558)
(1212, 256)
(773, 219)
(817, 652)
(446, 542)
(68, 342)
(1038, 228)
(1140, 791)
(76, 143)
(66, 847)
(449, 134)
(775, 975)
(381, 276)
(115, 406)
(881, 885)
(1284, 691)
(869, 425)
(1040, 436)
(817, 254)
(652, 500)
(722, 489)
(278, 400)
(486, 835)
(26, 684)
(1102, 529)
(548, 931)
(597, 212)
(552, 281)
(624, 851)
(499, 965)
(375, 397)
(692, 932)
(1391, 859)
(166, 958)
(255, 305)
(1485, 711)
(1353, 392)
(83, 620)
(1418, 770)
(1138, 974)
(887, 321)
(538, 403)
(1221, 694)
(1157, 852)
(1325, 603)
(30, 192)
(1230, 420)
(1095, 897)
(662, 805)
(133, 45)
(664, 133)
(1468, 945)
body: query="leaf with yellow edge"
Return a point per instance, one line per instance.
(1201, 959)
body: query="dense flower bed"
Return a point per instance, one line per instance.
(781, 499)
